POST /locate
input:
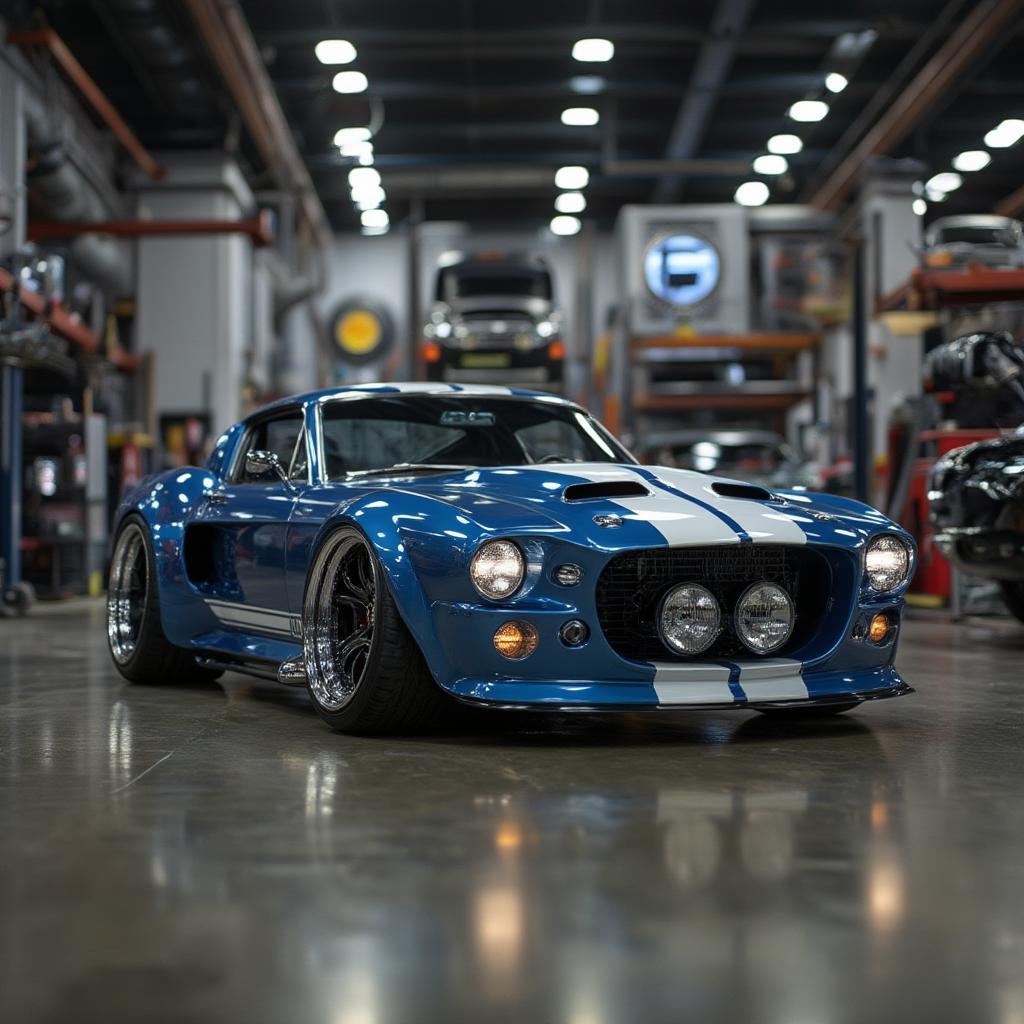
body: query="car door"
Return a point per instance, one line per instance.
(245, 518)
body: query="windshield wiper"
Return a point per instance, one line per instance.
(407, 467)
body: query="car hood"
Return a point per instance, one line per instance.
(623, 505)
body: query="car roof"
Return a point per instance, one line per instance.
(411, 388)
(972, 220)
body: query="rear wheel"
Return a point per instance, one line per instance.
(364, 670)
(1013, 595)
(135, 636)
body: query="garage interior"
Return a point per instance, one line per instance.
(758, 238)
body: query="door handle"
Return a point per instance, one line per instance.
(216, 497)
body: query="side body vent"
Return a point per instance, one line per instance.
(605, 489)
(751, 492)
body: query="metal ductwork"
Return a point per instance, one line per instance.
(59, 188)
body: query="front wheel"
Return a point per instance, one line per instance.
(364, 671)
(1013, 595)
(135, 635)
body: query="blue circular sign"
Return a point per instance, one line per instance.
(682, 270)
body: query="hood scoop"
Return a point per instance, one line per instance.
(748, 492)
(605, 489)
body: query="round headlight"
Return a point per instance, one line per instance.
(764, 617)
(887, 562)
(689, 619)
(497, 569)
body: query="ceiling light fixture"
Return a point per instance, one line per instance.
(771, 165)
(587, 85)
(580, 116)
(350, 82)
(593, 51)
(363, 176)
(571, 202)
(785, 144)
(374, 218)
(366, 197)
(971, 160)
(335, 51)
(1005, 134)
(571, 179)
(752, 193)
(920, 207)
(563, 225)
(945, 182)
(808, 111)
(346, 136)
(836, 82)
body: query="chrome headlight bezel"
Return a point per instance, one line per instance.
(871, 575)
(488, 550)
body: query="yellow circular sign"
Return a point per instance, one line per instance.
(358, 332)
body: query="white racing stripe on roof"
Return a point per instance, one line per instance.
(676, 683)
(433, 388)
(679, 521)
(772, 679)
(763, 523)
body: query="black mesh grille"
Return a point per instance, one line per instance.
(632, 584)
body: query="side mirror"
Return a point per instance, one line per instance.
(257, 463)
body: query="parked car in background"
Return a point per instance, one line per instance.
(495, 321)
(757, 456)
(976, 502)
(984, 239)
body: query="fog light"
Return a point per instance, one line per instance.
(574, 633)
(764, 617)
(515, 640)
(689, 619)
(879, 628)
(567, 575)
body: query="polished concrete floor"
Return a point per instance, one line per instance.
(215, 854)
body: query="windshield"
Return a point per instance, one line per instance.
(474, 282)
(757, 457)
(977, 236)
(375, 433)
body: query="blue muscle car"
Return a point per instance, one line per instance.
(390, 547)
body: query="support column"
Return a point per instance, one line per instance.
(12, 183)
(194, 298)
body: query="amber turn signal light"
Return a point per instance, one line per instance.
(556, 350)
(515, 640)
(431, 352)
(879, 628)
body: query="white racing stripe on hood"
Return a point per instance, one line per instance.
(676, 519)
(763, 523)
(676, 683)
(772, 679)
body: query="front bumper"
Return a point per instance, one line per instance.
(996, 554)
(496, 366)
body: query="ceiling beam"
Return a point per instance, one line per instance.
(709, 73)
(985, 24)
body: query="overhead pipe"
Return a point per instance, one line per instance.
(985, 23)
(49, 40)
(258, 228)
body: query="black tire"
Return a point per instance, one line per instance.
(809, 713)
(1013, 595)
(365, 673)
(135, 637)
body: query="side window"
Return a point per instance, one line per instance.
(280, 435)
(297, 470)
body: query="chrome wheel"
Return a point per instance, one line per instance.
(127, 593)
(338, 619)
